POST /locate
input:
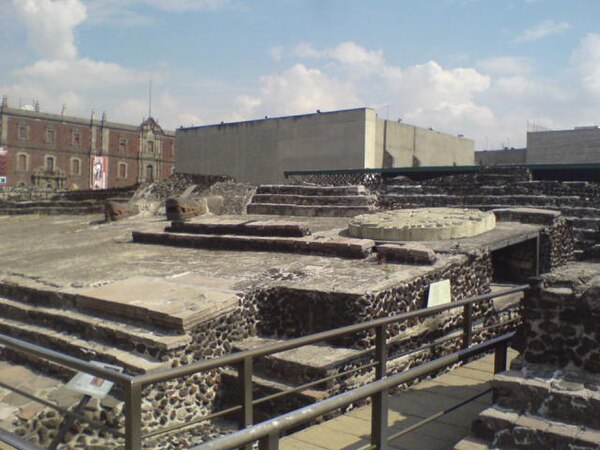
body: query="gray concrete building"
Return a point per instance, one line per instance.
(501, 157)
(579, 145)
(259, 151)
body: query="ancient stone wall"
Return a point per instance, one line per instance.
(562, 321)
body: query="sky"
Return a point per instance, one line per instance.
(486, 69)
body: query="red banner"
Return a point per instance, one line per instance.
(3, 165)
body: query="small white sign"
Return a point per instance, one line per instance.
(91, 385)
(2, 180)
(3, 151)
(439, 293)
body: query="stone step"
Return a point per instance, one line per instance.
(579, 211)
(584, 235)
(295, 189)
(340, 247)
(309, 211)
(550, 398)
(52, 210)
(508, 429)
(310, 200)
(161, 305)
(471, 200)
(73, 345)
(473, 443)
(123, 335)
(300, 365)
(589, 223)
(242, 227)
(263, 385)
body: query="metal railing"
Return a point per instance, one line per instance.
(132, 386)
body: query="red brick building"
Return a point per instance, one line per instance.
(61, 152)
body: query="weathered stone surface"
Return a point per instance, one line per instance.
(119, 209)
(409, 253)
(281, 228)
(340, 246)
(181, 208)
(421, 224)
(526, 215)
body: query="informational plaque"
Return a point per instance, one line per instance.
(439, 293)
(91, 385)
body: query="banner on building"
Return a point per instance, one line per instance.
(3, 165)
(99, 172)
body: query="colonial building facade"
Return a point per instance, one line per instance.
(56, 151)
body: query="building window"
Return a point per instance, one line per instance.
(22, 162)
(50, 163)
(149, 173)
(150, 146)
(122, 170)
(23, 131)
(122, 145)
(50, 136)
(75, 138)
(75, 166)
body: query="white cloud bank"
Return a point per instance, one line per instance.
(541, 30)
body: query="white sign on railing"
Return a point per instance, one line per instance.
(91, 385)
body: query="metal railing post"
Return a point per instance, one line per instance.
(133, 416)
(379, 406)
(245, 384)
(500, 357)
(269, 442)
(467, 325)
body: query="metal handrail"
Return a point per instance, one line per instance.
(267, 430)
(65, 360)
(236, 358)
(133, 385)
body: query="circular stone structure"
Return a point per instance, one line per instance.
(423, 224)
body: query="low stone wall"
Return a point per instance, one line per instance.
(562, 319)
(285, 312)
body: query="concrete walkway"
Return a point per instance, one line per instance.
(352, 430)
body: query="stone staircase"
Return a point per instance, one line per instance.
(313, 201)
(255, 235)
(540, 409)
(578, 201)
(62, 322)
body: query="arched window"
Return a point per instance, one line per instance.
(75, 166)
(122, 172)
(149, 173)
(22, 162)
(50, 163)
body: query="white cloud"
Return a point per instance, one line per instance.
(50, 25)
(276, 53)
(506, 65)
(186, 5)
(541, 30)
(297, 90)
(586, 60)
(346, 53)
(82, 74)
(135, 12)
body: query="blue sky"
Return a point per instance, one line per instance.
(473, 67)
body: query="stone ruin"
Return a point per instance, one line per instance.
(550, 397)
(237, 282)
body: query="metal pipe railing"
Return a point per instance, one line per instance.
(266, 431)
(236, 358)
(133, 385)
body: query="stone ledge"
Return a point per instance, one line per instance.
(340, 247)
(406, 254)
(526, 215)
